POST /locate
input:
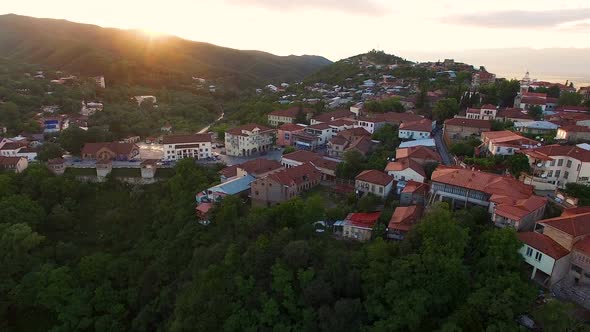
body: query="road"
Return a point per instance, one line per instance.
(441, 147)
(206, 129)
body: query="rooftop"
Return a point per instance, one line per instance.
(572, 224)
(291, 127)
(424, 125)
(374, 176)
(404, 218)
(544, 244)
(363, 220)
(180, 139)
(241, 130)
(472, 123)
(550, 151)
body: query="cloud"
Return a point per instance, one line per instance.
(356, 7)
(520, 18)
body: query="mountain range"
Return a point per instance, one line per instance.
(131, 56)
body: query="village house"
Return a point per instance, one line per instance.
(458, 129)
(559, 249)
(375, 122)
(416, 129)
(351, 139)
(13, 164)
(536, 127)
(326, 165)
(197, 146)
(110, 151)
(256, 168)
(283, 185)
(419, 154)
(486, 112)
(526, 100)
(285, 135)
(565, 118)
(374, 182)
(278, 117)
(427, 143)
(359, 226)
(554, 166)
(510, 202)
(406, 170)
(482, 77)
(331, 116)
(513, 115)
(573, 133)
(314, 136)
(57, 166)
(414, 193)
(549, 261)
(404, 218)
(505, 142)
(248, 140)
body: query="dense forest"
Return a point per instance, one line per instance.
(132, 57)
(113, 257)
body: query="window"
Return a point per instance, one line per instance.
(569, 164)
(381, 190)
(579, 167)
(560, 162)
(529, 252)
(550, 174)
(557, 174)
(552, 163)
(566, 175)
(538, 256)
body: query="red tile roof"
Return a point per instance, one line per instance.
(290, 127)
(326, 163)
(404, 218)
(575, 129)
(374, 176)
(514, 113)
(398, 118)
(302, 156)
(320, 126)
(583, 246)
(471, 123)
(424, 125)
(362, 144)
(330, 116)
(571, 151)
(238, 131)
(534, 101)
(415, 187)
(418, 153)
(116, 147)
(260, 166)
(364, 220)
(13, 145)
(230, 171)
(544, 244)
(403, 164)
(574, 225)
(354, 132)
(488, 107)
(9, 161)
(180, 139)
(296, 175)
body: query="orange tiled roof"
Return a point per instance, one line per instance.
(544, 244)
(404, 218)
(574, 225)
(374, 176)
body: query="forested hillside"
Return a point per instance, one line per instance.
(111, 257)
(126, 56)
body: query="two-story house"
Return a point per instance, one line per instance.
(505, 142)
(406, 170)
(285, 135)
(404, 218)
(13, 164)
(278, 117)
(374, 182)
(510, 202)
(554, 166)
(283, 185)
(249, 139)
(486, 112)
(458, 129)
(197, 146)
(359, 226)
(110, 151)
(415, 130)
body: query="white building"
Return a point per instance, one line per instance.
(553, 166)
(178, 147)
(405, 170)
(550, 262)
(486, 112)
(249, 139)
(416, 129)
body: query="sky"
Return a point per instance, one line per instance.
(338, 29)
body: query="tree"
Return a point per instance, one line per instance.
(518, 163)
(351, 166)
(369, 203)
(289, 149)
(535, 111)
(49, 151)
(72, 140)
(558, 316)
(462, 149)
(570, 99)
(445, 109)
(553, 91)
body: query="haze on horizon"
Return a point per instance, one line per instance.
(338, 29)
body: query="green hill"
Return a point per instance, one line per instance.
(129, 56)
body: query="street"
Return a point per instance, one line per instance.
(441, 147)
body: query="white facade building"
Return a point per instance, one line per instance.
(178, 147)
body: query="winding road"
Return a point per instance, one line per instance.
(441, 147)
